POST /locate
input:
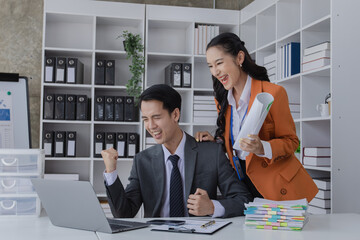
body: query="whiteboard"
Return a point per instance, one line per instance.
(14, 114)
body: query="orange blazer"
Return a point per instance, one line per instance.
(283, 177)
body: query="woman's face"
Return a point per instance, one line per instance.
(224, 66)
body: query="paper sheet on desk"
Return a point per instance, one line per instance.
(195, 226)
(255, 119)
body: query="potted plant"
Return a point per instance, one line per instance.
(134, 49)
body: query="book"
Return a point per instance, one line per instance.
(322, 183)
(204, 107)
(323, 194)
(204, 98)
(322, 203)
(205, 120)
(321, 62)
(294, 107)
(271, 71)
(294, 58)
(204, 102)
(317, 161)
(317, 151)
(270, 65)
(317, 48)
(198, 113)
(270, 58)
(196, 41)
(317, 210)
(317, 55)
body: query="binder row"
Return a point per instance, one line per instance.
(104, 72)
(63, 70)
(59, 143)
(66, 107)
(178, 75)
(127, 144)
(289, 59)
(119, 108)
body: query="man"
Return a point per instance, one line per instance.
(177, 177)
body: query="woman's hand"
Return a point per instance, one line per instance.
(252, 144)
(204, 136)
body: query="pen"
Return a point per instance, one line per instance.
(208, 224)
(181, 230)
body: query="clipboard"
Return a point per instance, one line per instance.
(14, 112)
(193, 226)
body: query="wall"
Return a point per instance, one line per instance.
(21, 25)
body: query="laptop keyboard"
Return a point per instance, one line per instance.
(121, 225)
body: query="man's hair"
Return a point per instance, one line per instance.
(170, 98)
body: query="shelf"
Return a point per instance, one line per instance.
(109, 87)
(65, 121)
(326, 169)
(67, 158)
(321, 72)
(65, 86)
(116, 123)
(313, 119)
(119, 159)
(157, 56)
(69, 51)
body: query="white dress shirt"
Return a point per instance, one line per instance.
(219, 210)
(238, 114)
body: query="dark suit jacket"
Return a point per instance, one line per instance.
(206, 167)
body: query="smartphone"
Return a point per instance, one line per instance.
(166, 222)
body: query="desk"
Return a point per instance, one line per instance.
(38, 228)
(327, 227)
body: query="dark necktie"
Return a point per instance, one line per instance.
(176, 189)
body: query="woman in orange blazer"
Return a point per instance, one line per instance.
(271, 170)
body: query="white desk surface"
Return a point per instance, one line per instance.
(38, 228)
(328, 227)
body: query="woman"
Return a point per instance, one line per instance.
(271, 170)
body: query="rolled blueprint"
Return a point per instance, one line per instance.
(255, 119)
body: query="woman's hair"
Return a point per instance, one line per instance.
(232, 45)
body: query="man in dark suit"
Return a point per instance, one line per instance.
(177, 177)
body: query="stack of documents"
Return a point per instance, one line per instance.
(204, 109)
(321, 203)
(276, 215)
(316, 56)
(270, 65)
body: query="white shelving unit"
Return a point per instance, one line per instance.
(265, 26)
(88, 30)
(170, 38)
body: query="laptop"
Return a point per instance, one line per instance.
(74, 204)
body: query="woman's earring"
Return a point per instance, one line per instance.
(240, 65)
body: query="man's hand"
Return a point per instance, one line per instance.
(199, 203)
(110, 157)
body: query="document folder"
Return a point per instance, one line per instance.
(60, 70)
(129, 109)
(48, 143)
(173, 74)
(82, 107)
(70, 144)
(75, 71)
(119, 109)
(70, 107)
(59, 107)
(186, 75)
(49, 105)
(99, 108)
(49, 69)
(132, 144)
(109, 109)
(110, 72)
(100, 72)
(121, 144)
(59, 144)
(109, 140)
(99, 143)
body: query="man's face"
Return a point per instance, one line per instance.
(158, 122)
